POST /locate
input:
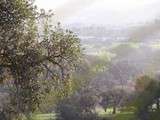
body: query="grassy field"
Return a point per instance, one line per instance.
(127, 114)
(118, 116)
(124, 116)
(44, 117)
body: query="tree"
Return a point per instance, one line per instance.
(105, 101)
(32, 55)
(147, 102)
(142, 83)
(79, 106)
(112, 98)
(88, 99)
(116, 99)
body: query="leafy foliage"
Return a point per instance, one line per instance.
(74, 108)
(33, 53)
(147, 102)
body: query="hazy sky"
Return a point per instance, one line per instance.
(114, 12)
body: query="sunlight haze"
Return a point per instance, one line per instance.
(102, 11)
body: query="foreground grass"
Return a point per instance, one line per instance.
(124, 116)
(44, 117)
(121, 115)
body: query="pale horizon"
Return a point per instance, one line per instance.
(102, 11)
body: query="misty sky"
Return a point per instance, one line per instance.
(103, 12)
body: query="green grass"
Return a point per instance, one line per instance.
(125, 114)
(44, 117)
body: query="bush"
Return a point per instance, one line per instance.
(67, 112)
(71, 110)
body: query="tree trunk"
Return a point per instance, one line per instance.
(114, 110)
(105, 109)
(158, 104)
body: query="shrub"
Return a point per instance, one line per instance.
(71, 110)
